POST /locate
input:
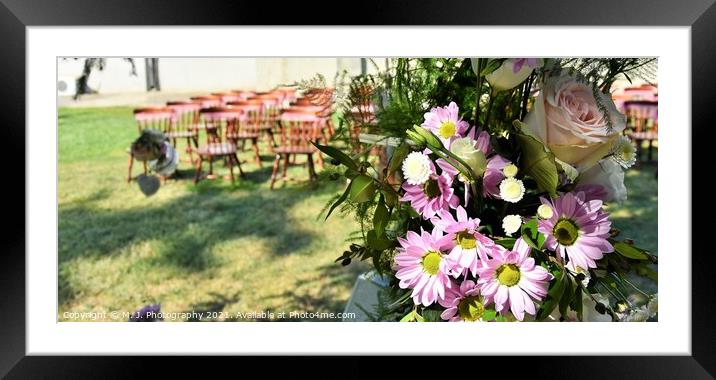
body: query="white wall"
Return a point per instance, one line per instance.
(211, 74)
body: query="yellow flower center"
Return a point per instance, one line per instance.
(465, 240)
(544, 212)
(431, 189)
(431, 262)
(508, 274)
(566, 232)
(470, 309)
(510, 170)
(447, 130)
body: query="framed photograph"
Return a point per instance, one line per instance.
(486, 166)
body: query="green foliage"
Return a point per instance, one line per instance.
(539, 163)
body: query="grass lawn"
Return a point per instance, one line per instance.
(211, 247)
(216, 246)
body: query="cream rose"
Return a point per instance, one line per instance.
(567, 119)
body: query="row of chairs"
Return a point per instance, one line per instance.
(230, 120)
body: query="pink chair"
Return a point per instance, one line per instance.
(185, 124)
(215, 120)
(642, 123)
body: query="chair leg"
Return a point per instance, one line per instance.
(311, 169)
(238, 163)
(211, 165)
(255, 143)
(274, 173)
(320, 160)
(131, 163)
(285, 169)
(189, 150)
(197, 174)
(231, 168)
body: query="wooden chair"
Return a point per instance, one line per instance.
(158, 118)
(298, 131)
(246, 127)
(185, 125)
(642, 124)
(216, 120)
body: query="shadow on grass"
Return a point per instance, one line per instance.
(187, 227)
(320, 299)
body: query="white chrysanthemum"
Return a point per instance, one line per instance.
(512, 190)
(511, 224)
(544, 212)
(624, 152)
(416, 168)
(510, 170)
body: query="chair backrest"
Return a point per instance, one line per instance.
(299, 130)
(218, 119)
(642, 115)
(207, 101)
(251, 115)
(159, 118)
(186, 115)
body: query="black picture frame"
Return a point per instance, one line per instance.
(16, 15)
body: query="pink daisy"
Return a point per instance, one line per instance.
(512, 280)
(578, 230)
(467, 245)
(435, 194)
(445, 123)
(463, 303)
(423, 266)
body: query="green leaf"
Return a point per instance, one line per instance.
(380, 217)
(538, 162)
(338, 155)
(554, 294)
(567, 295)
(576, 304)
(362, 189)
(391, 198)
(339, 200)
(431, 315)
(644, 271)
(489, 315)
(399, 155)
(507, 242)
(532, 236)
(409, 317)
(630, 251)
(419, 318)
(378, 243)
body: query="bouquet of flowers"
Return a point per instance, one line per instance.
(500, 218)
